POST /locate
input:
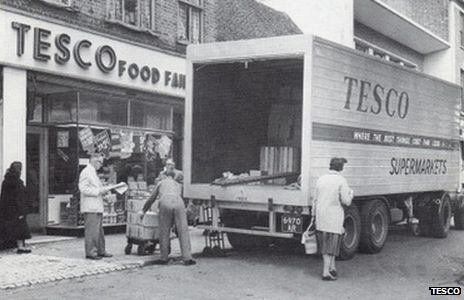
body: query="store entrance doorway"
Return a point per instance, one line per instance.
(36, 178)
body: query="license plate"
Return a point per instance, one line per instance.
(292, 223)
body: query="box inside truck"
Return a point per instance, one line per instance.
(247, 119)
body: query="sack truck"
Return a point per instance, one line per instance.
(264, 117)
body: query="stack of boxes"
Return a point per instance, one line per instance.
(109, 214)
(146, 229)
(113, 210)
(70, 214)
(274, 160)
(138, 228)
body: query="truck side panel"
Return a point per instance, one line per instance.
(386, 121)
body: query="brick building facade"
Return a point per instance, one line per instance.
(104, 76)
(93, 15)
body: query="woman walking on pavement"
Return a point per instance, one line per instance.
(332, 194)
(171, 212)
(14, 205)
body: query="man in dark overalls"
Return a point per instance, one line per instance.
(171, 212)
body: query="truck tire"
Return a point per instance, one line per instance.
(374, 226)
(352, 236)
(441, 218)
(459, 218)
(424, 228)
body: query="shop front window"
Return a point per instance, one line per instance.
(63, 160)
(150, 116)
(101, 109)
(1, 113)
(1, 83)
(62, 107)
(133, 131)
(34, 109)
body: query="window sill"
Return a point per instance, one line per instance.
(61, 6)
(134, 28)
(186, 2)
(183, 42)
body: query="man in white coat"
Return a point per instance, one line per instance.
(91, 197)
(332, 195)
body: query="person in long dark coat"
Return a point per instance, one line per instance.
(14, 207)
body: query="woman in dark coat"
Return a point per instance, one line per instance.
(14, 206)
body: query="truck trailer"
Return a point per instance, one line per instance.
(264, 117)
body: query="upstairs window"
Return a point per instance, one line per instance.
(370, 49)
(66, 4)
(136, 14)
(189, 25)
(461, 28)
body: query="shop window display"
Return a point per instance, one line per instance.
(134, 136)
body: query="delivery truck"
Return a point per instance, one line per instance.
(264, 117)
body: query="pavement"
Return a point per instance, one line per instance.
(56, 258)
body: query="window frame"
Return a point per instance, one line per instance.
(366, 47)
(461, 73)
(190, 7)
(461, 29)
(65, 4)
(111, 12)
(167, 109)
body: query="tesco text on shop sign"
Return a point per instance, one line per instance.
(105, 56)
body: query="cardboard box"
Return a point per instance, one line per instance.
(135, 205)
(133, 185)
(131, 230)
(142, 185)
(257, 173)
(133, 217)
(121, 218)
(151, 219)
(147, 233)
(142, 232)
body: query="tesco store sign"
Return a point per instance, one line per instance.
(47, 47)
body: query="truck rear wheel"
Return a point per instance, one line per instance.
(441, 218)
(352, 236)
(424, 228)
(374, 226)
(459, 218)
